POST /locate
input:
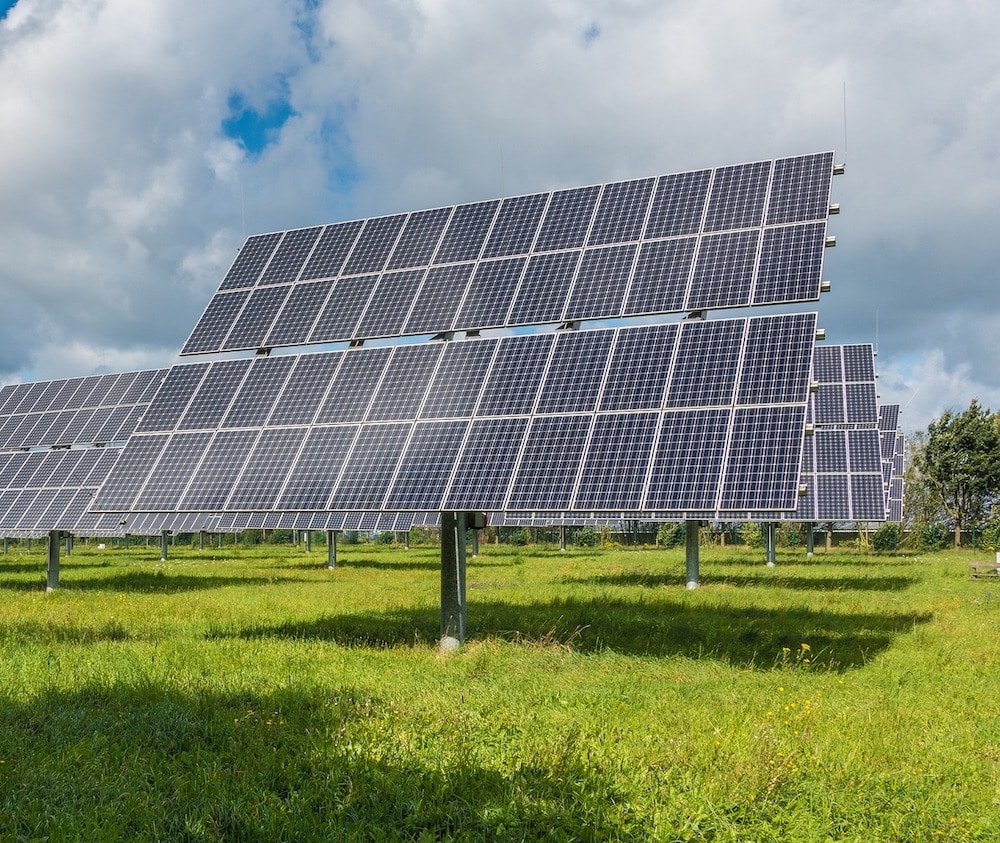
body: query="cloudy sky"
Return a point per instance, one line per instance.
(141, 142)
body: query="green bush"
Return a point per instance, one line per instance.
(933, 536)
(886, 538)
(518, 537)
(752, 535)
(989, 539)
(386, 537)
(789, 535)
(585, 537)
(670, 535)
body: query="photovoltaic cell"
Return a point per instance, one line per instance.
(250, 261)
(256, 395)
(374, 244)
(437, 302)
(567, 219)
(616, 464)
(390, 303)
(514, 380)
(599, 289)
(298, 313)
(265, 469)
(737, 196)
(331, 251)
(354, 386)
(490, 293)
(542, 294)
(211, 400)
(800, 188)
(311, 481)
(419, 238)
(678, 204)
(575, 372)
(621, 214)
(223, 460)
(516, 225)
(215, 324)
(723, 271)
(791, 264)
(305, 389)
(253, 324)
(688, 460)
(368, 470)
(705, 369)
(459, 379)
(777, 356)
(546, 475)
(467, 232)
(638, 368)
(426, 465)
(402, 389)
(764, 458)
(661, 277)
(342, 311)
(288, 258)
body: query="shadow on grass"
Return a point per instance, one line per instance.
(150, 762)
(751, 637)
(641, 579)
(151, 582)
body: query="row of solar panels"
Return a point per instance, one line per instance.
(46, 487)
(753, 234)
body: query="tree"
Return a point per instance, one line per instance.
(961, 461)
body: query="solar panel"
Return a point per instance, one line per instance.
(751, 234)
(575, 421)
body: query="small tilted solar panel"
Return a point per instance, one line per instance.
(893, 446)
(48, 476)
(842, 467)
(736, 236)
(696, 419)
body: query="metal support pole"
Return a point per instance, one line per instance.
(309, 541)
(52, 571)
(164, 543)
(810, 539)
(692, 530)
(562, 538)
(829, 536)
(69, 544)
(6, 543)
(769, 534)
(201, 540)
(475, 544)
(406, 540)
(331, 549)
(452, 580)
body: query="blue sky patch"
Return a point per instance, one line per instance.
(252, 128)
(6, 6)
(591, 34)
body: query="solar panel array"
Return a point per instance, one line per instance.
(751, 234)
(698, 419)
(842, 461)
(48, 474)
(893, 447)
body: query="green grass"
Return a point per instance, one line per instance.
(251, 694)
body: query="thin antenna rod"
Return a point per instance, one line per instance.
(845, 121)
(503, 187)
(243, 213)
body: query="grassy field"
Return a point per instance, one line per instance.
(251, 694)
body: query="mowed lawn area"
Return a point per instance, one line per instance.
(248, 693)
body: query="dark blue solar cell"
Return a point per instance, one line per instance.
(256, 396)
(305, 388)
(888, 416)
(621, 214)
(828, 404)
(737, 196)
(660, 281)
(516, 225)
(704, 373)
(723, 271)
(688, 460)
(174, 469)
(550, 462)
(209, 404)
(369, 469)
(294, 322)
(459, 379)
(765, 453)
(616, 464)
(314, 476)
(343, 309)
(791, 264)
(516, 375)
(638, 369)
(490, 294)
(865, 451)
(599, 289)
(438, 299)
(831, 451)
(215, 322)
(861, 403)
(567, 219)
(354, 386)
(867, 498)
(419, 238)
(859, 362)
(173, 397)
(832, 501)
(334, 244)
(800, 188)
(778, 359)
(390, 304)
(402, 390)
(223, 461)
(266, 469)
(828, 366)
(250, 261)
(544, 288)
(291, 254)
(678, 204)
(467, 232)
(373, 246)
(575, 372)
(254, 323)
(426, 465)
